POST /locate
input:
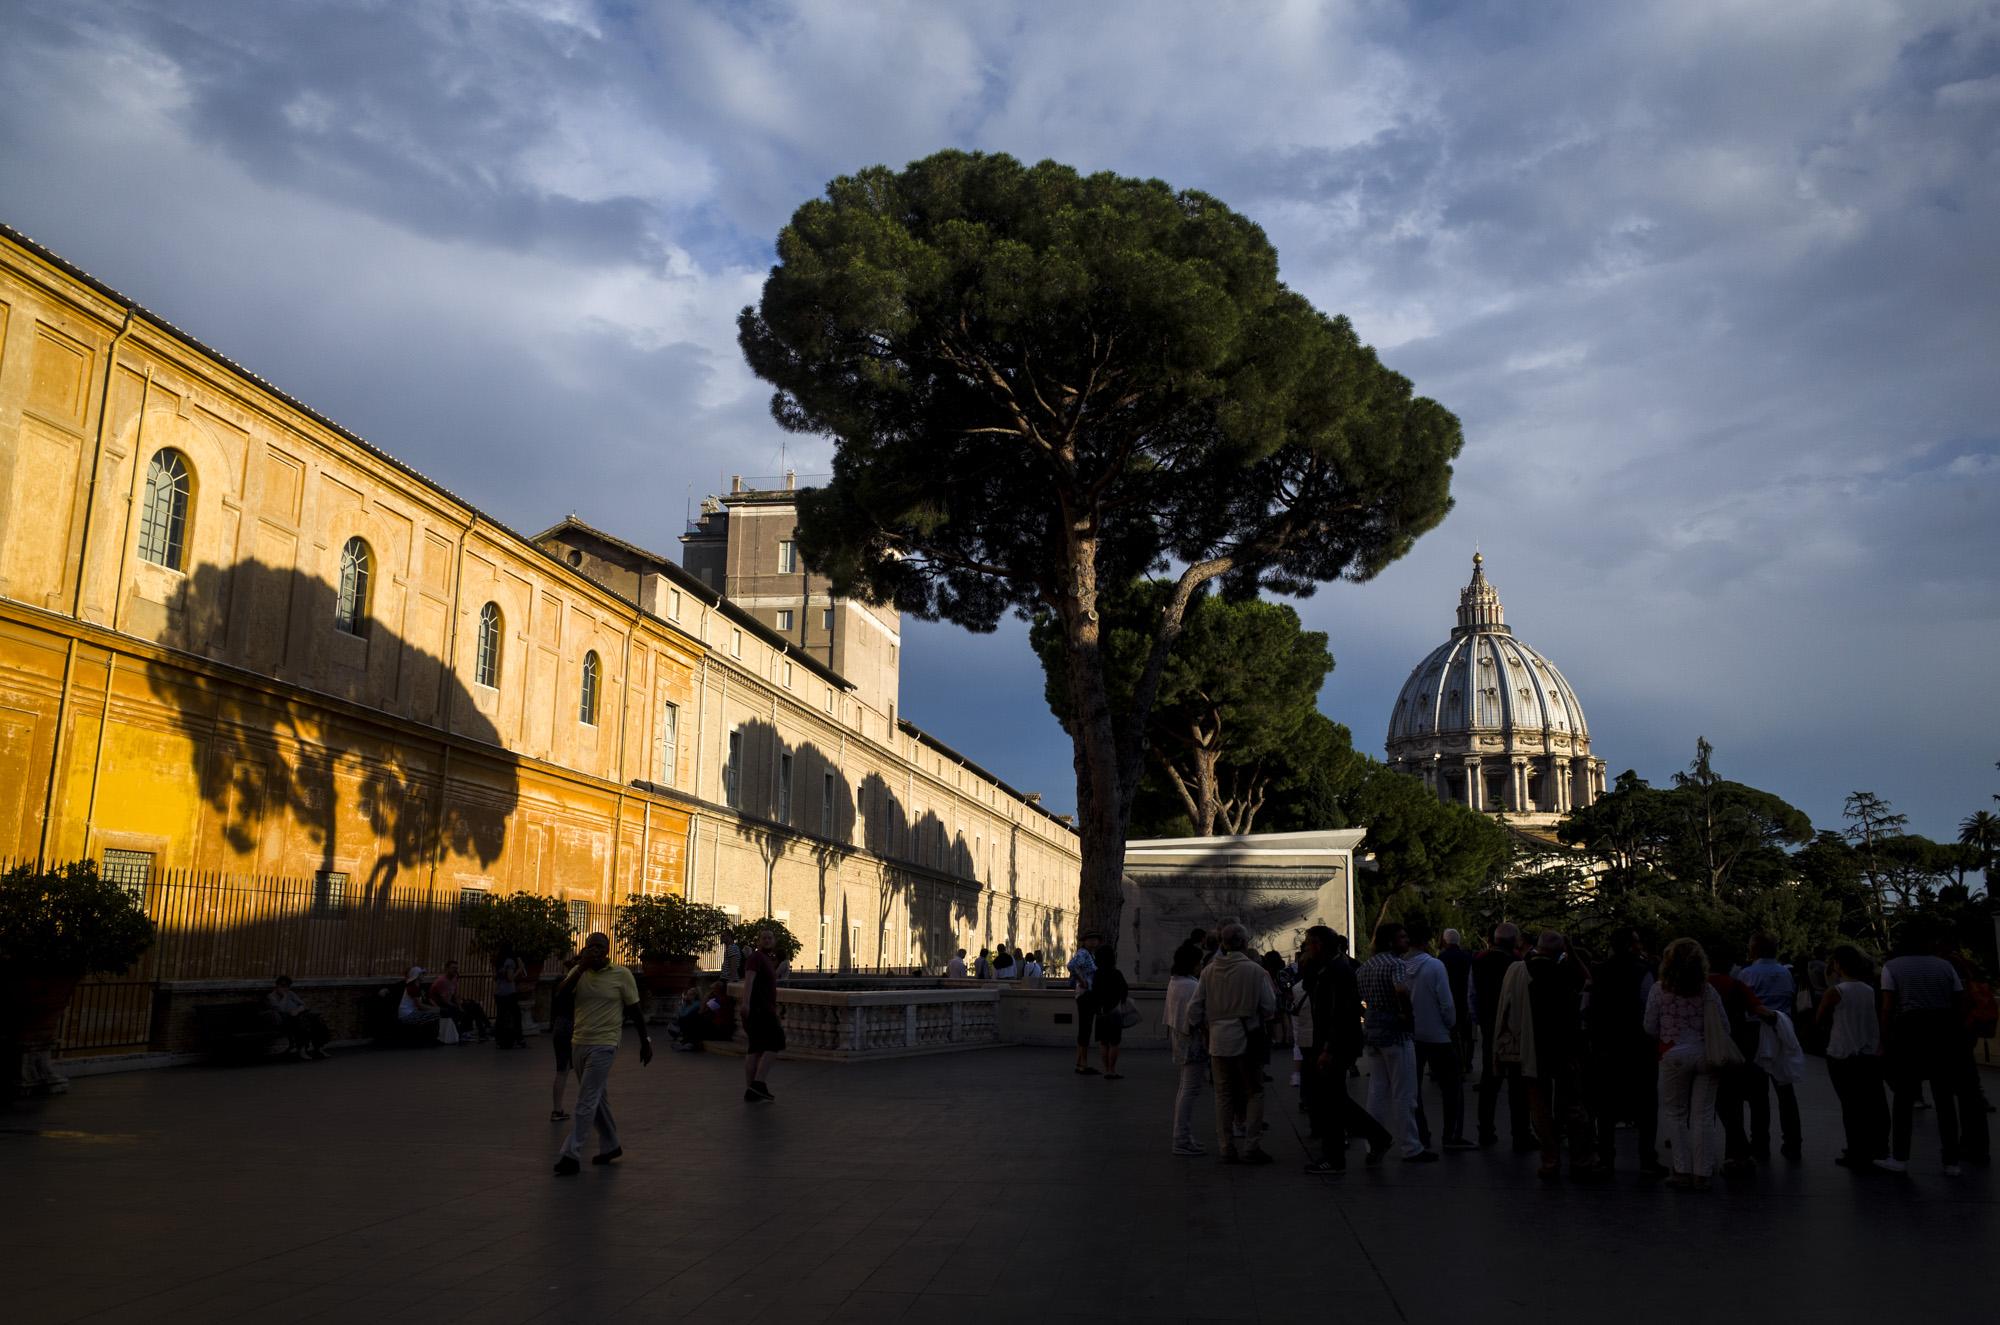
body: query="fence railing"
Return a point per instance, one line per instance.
(221, 926)
(212, 925)
(215, 926)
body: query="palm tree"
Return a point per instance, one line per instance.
(1980, 830)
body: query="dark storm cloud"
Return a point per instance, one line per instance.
(403, 111)
(1711, 285)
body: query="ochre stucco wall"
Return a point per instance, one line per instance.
(213, 715)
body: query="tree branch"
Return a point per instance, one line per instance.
(1171, 616)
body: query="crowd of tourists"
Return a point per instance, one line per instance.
(995, 963)
(1684, 1049)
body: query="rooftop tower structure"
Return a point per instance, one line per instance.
(744, 546)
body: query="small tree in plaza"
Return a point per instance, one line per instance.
(668, 927)
(66, 922)
(1042, 386)
(787, 947)
(525, 925)
(57, 925)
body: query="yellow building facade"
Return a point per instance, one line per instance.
(234, 636)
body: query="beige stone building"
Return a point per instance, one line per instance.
(235, 636)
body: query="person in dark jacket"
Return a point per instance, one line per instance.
(1743, 1013)
(1624, 1060)
(1556, 979)
(1108, 990)
(1335, 999)
(1458, 971)
(1489, 971)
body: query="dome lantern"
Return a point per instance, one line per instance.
(1479, 602)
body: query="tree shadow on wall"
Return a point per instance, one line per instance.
(360, 787)
(815, 815)
(927, 875)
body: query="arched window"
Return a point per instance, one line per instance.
(586, 708)
(163, 512)
(486, 670)
(350, 609)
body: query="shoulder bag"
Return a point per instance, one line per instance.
(1718, 1047)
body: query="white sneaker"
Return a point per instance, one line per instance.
(1952, 1170)
(1190, 1148)
(1892, 1166)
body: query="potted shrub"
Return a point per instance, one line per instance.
(528, 926)
(666, 933)
(57, 925)
(786, 948)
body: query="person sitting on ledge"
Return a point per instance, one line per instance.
(471, 1018)
(416, 1008)
(718, 1013)
(682, 1029)
(302, 1026)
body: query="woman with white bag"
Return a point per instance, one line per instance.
(1685, 1015)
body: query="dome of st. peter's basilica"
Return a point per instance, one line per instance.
(1487, 721)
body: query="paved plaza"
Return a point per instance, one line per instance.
(985, 1186)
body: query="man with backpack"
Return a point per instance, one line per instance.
(1234, 999)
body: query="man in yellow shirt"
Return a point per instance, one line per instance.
(606, 997)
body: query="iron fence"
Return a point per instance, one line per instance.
(108, 1016)
(212, 925)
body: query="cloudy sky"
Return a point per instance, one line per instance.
(1712, 284)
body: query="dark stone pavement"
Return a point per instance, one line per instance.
(985, 1186)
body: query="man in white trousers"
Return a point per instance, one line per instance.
(1387, 1034)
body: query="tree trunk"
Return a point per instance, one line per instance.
(1108, 767)
(1206, 795)
(1100, 800)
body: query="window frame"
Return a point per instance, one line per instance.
(128, 869)
(329, 894)
(163, 536)
(788, 556)
(588, 690)
(486, 657)
(350, 603)
(732, 770)
(784, 619)
(667, 753)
